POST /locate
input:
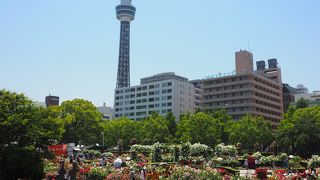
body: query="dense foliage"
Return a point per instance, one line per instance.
(250, 130)
(300, 131)
(25, 131)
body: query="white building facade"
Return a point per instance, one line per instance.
(161, 93)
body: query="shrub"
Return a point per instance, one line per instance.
(314, 162)
(98, 173)
(156, 152)
(198, 149)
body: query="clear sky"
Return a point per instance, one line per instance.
(69, 48)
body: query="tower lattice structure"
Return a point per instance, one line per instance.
(125, 14)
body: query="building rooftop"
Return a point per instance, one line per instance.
(162, 77)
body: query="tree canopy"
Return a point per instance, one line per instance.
(199, 128)
(250, 130)
(82, 122)
(300, 131)
(25, 131)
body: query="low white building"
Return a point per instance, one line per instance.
(106, 111)
(314, 96)
(161, 93)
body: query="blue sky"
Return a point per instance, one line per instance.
(70, 48)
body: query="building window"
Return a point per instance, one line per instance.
(144, 88)
(141, 107)
(141, 113)
(169, 84)
(169, 90)
(157, 85)
(151, 87)
(163, 104)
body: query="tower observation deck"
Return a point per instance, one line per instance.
(125, 14)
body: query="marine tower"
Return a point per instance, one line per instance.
(125, 14)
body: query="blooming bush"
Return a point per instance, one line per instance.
(282, 157)
(222, 150)
(98, 173)
(257, 155)
(50, 169)
(156, 152)
(314, 162)
(141, 148)
(262, 173)
(185, 151)
(186, 173)
(265, 160)
(198, 149)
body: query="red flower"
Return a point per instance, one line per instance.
(222, 171)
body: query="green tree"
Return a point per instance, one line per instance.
(122, 128)
(250, 130)
(300, 131)
(25, 131)
(225, 121)
(200, 127)
(171, 123)
(302, 103)
(82, 122)
(154, 128)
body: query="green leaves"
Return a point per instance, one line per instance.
(301, 131)
(250, 130)
(82, 122)
(25, 131)
(200, 127)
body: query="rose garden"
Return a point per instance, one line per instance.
(204, 145)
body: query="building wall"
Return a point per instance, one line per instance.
(249, 93)
(244, 61)
(288, 96)
(163, 96)
(106, 111)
